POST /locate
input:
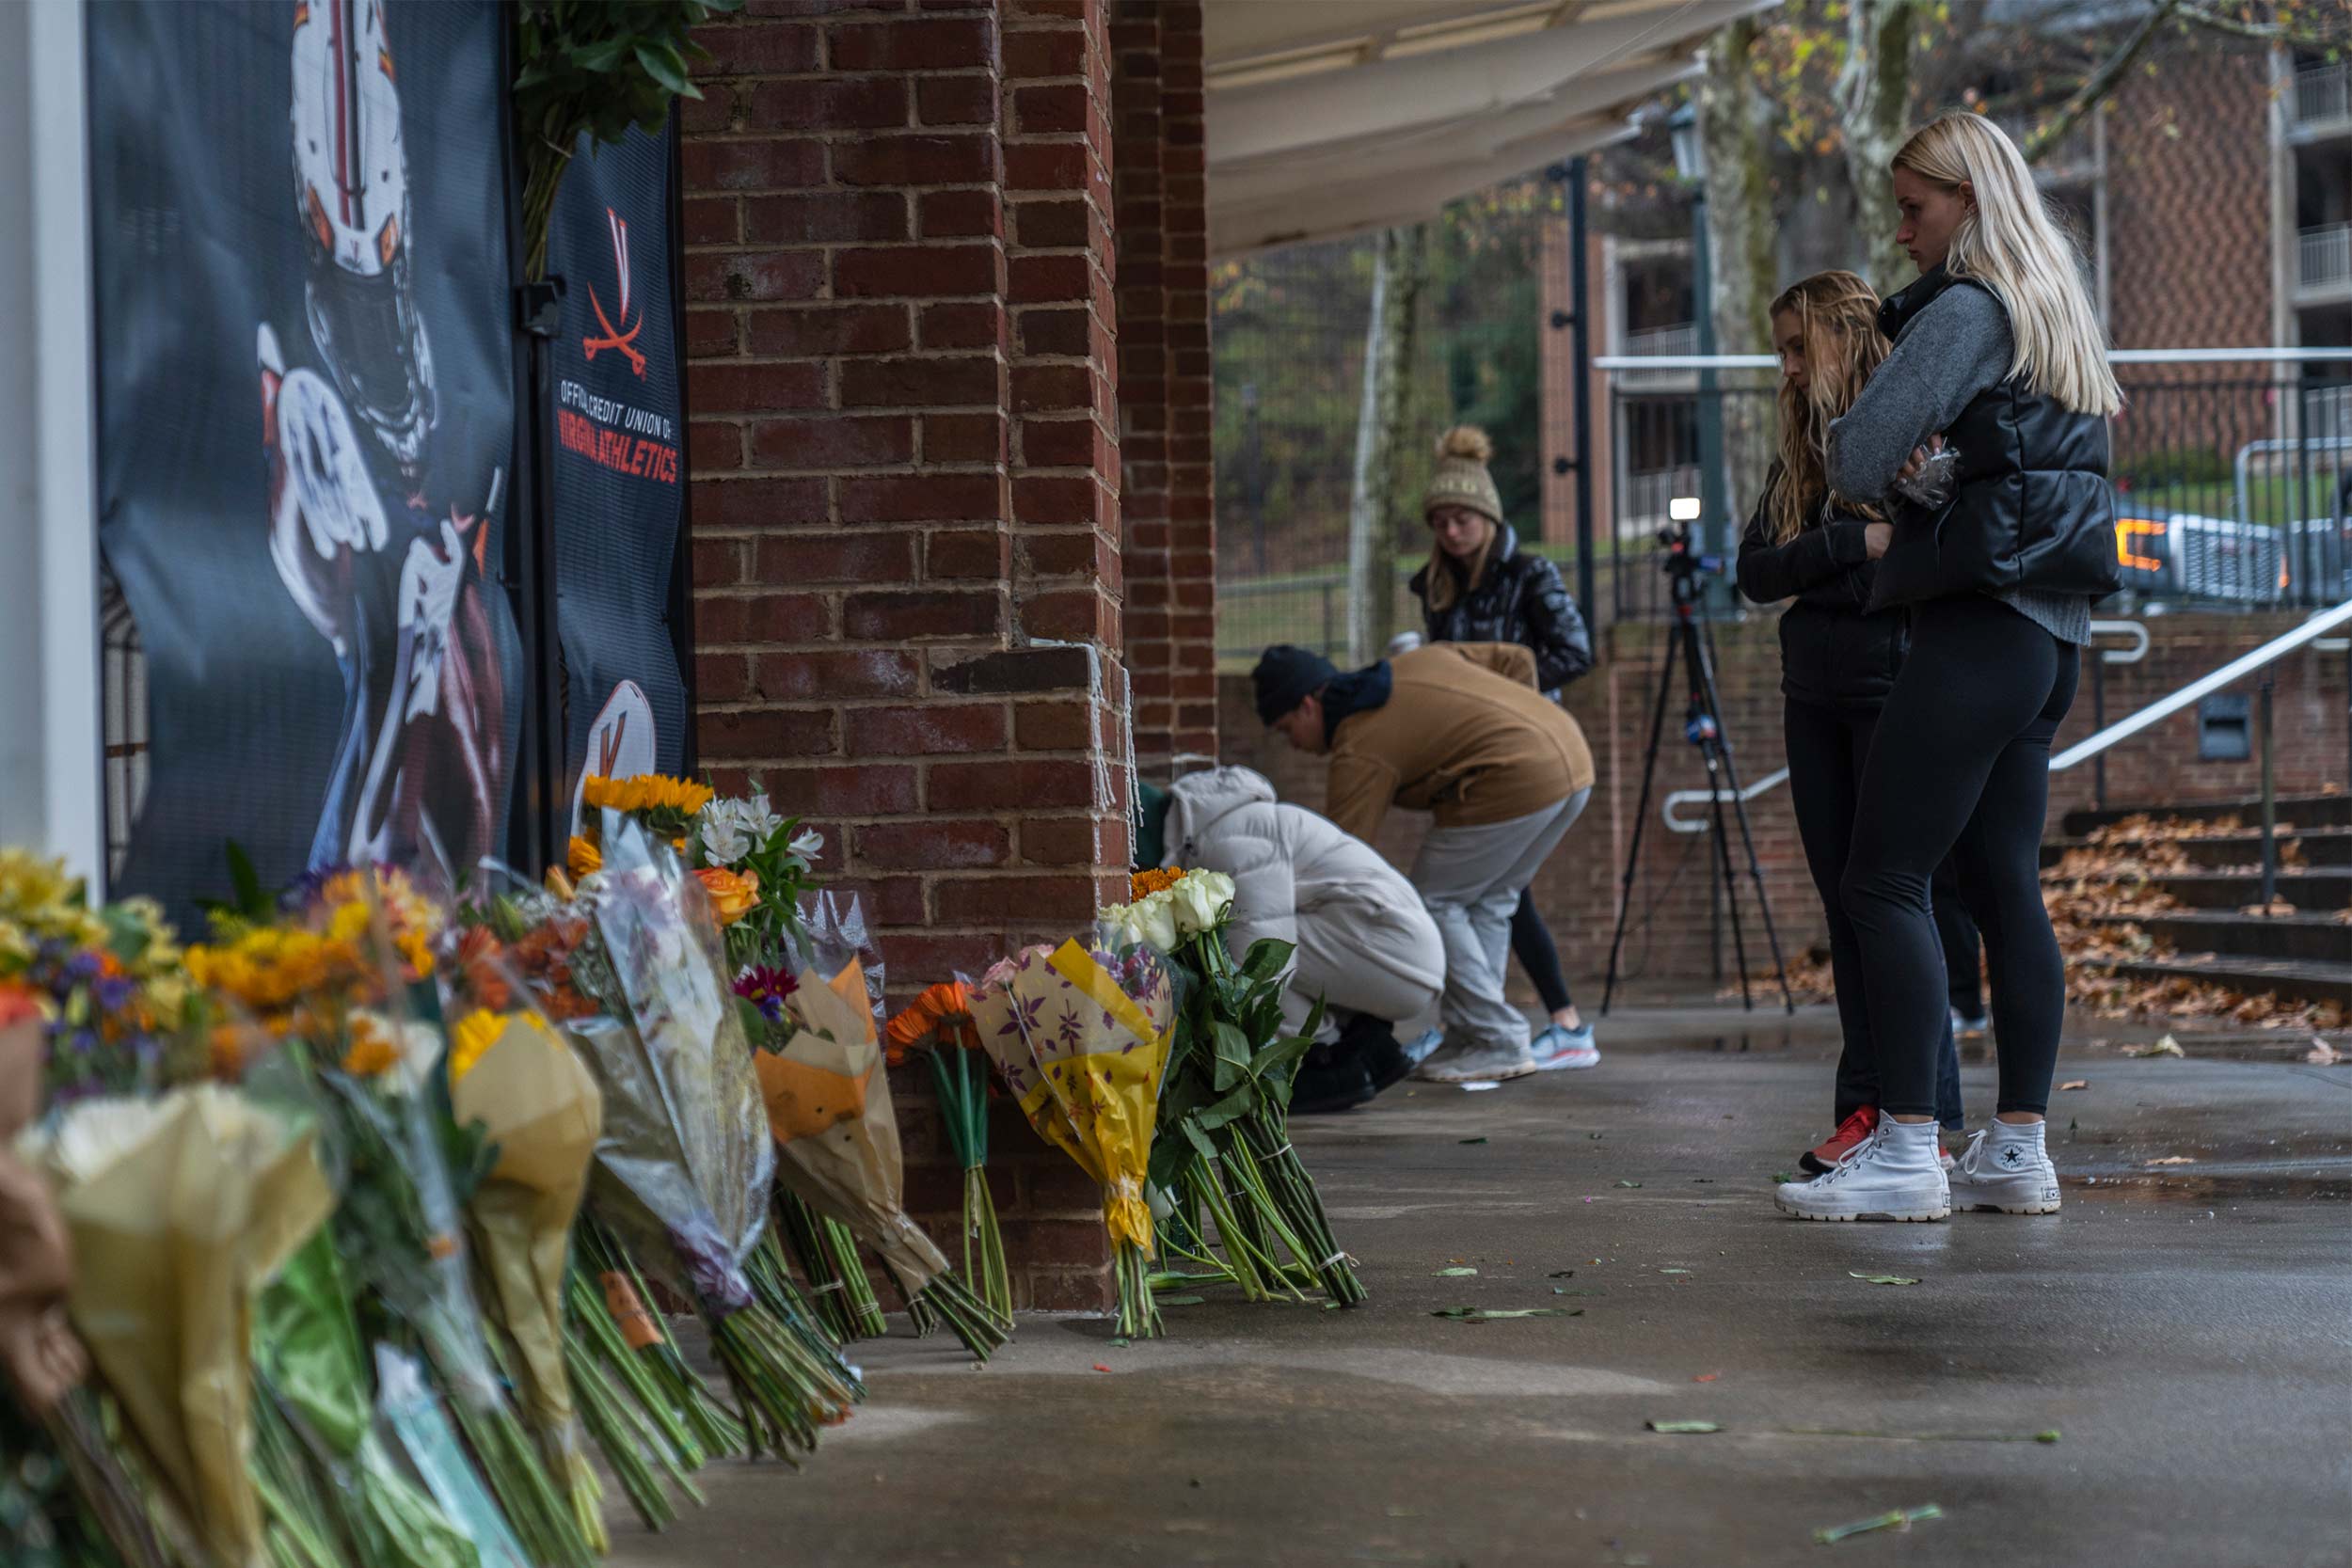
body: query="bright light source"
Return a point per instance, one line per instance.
(1683, 509)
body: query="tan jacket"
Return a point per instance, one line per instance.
(1464, 734)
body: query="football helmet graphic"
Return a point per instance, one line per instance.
(350, 188)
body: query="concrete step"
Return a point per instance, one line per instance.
(2300, 981)
(2321, 847)
(2304, 811)
(2310, 892)
(2292, 939)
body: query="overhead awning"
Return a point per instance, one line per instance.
(1330, 117)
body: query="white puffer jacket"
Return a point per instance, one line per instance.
(1365, 941)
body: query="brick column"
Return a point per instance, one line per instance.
(1165, 379)
(905, 502)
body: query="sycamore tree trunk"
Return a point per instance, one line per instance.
(1731, 116)
(1874, 105)
(1400, 267)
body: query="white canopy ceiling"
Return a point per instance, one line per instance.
(1329, 117)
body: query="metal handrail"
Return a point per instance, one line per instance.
(1678, 824)
(2115, 356)
(2238, 668)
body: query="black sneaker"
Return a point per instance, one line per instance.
(1373, 1041)
(1330, 1081)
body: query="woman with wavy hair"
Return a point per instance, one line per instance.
(1838, 658)
(1984, 435)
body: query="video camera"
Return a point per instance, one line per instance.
(1682, 563)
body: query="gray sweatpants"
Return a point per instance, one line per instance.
(1469, 879)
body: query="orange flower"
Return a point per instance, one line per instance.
(582, 858)
(943, 1010)
(1143, 884)
(733, 895)
(17, 1004)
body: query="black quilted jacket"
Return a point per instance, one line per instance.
(1522, 600)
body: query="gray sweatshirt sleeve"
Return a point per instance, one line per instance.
(1957, 347)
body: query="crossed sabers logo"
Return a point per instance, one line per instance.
(609, 745)
(614, 336)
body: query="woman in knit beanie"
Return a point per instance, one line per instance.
(1480, 587)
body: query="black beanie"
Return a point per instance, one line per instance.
(1286, 676)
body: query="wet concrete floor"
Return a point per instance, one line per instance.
(2186, 1328)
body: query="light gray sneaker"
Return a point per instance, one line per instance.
(1471, 1064)
(1559, 1047)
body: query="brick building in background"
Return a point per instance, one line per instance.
(940, 317)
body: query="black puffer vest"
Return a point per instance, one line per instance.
(1521, 599)
(2032, 508)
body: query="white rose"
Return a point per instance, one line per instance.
(1201, 899)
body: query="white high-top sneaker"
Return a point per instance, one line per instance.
(2006, 1166)
(1894, 1176)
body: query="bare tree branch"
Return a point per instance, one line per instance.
(2264, 32)
(2100, 83)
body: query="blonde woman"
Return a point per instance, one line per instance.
(1480, 587)
(1838, 658)
(1998, 356)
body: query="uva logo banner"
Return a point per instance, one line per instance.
(614, 336)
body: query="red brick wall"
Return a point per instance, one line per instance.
(1164, 390)
(905, 467)
(1668, 953)
(2189, 200)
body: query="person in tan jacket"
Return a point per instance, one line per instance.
(1458, 730)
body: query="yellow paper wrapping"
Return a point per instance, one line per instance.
(1085, 1059)
(542, 1108)
(837, 1130)
(179, 1209)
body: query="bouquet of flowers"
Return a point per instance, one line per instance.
(1081, 1034)
(315, 1007)
(751, 862)
(685, 1162)
(939, 1022)
(107, 983)
(179, 1208)
(1224, 1115)
(829, 1106)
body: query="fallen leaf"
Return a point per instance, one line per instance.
(2323, 1054)
(1882, 1279)
(1784, 1178)
(1674, 1271)
(1454, 1274)
(1629, 1184)
(2164, 1047)
(1100, 1368)
(1481, 1314)
(1120, 1343)
(1707, 1377)
(1900, 1518)
(1558, 1291)
(1561, 1274)
(1473, 1140)
(1677, 1427)
(2173, 1160)
(2075, 1083)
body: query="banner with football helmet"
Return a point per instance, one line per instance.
(618, 473)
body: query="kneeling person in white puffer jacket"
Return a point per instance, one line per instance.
(1365, 945)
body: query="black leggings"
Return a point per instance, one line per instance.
(1827, 747)
(1531, 944)
(1962, 761)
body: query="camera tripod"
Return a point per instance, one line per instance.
(1702, 725)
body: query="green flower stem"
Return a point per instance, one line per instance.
(1138, 1316)
(990, 1278)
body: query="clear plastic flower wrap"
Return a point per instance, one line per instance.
(1936, 480)
(683, 1165)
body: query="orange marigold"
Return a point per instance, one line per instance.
(943, 1010)
(1143, 884)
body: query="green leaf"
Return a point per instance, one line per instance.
(1882, 1279)
(1159, 1300)
(1898, 1518)
(1629, 1184)
(601, 57)
(1232, 1108)
(1674, 1428)
(245, 884)
(1232, 1054)
(1471, 1140)
(662, 64)
(1267, 958)
(1482, 1314)
(1452, 1274)
(1280, 1054)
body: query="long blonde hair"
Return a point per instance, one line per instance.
(1837, 314)
(2009, 243)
